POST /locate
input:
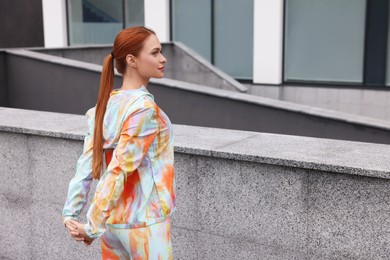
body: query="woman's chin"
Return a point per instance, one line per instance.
(161, 75)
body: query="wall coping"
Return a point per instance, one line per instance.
(337, 156)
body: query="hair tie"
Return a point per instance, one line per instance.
(112, 55)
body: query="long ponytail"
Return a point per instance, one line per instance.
(127, 41)
(106, 86)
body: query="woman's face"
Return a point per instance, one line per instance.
(150, 62)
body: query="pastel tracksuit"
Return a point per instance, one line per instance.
(136, 193)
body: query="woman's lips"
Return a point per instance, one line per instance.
(162, 68)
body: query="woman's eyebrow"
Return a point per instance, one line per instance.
(157, 48)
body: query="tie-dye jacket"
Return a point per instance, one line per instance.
(137, 186)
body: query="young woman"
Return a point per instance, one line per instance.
(129, 149)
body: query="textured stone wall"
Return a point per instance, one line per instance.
(240, 194)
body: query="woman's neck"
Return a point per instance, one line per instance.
(133, 81)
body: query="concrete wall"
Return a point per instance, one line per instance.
(90, 54)
(21, 23)
(62, 85)
(3, 81)
(373, 103)
(194, 105)
(241, 195)
(49, 87)
(183, 64)
(192, 67)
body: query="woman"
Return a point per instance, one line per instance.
(136, 191)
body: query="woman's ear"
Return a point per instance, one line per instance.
(130, 60)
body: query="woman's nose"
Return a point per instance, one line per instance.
(163, 60)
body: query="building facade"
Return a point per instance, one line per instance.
(269, 42)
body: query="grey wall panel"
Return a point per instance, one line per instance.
(93, 55)
(193, 108)
(39, 85)
(182, 64)
(44, 86)
(227, 208)
(21, 23)
(374, 103)
(3, 80)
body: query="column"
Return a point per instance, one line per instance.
(157, 18)
(268, 42)
(54, 23)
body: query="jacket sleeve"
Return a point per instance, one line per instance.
(80, 184)
(137, 134)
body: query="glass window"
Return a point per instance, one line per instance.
(233, 47)
(134, 13)
(324, 40)
(191, 25)
(98, 21)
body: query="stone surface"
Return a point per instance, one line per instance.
(240, 194)
(186, 215)
(41, 122)
(54, 163)
(357, 158)
(218, 247)
(15, 225)
(15, 164)
(348, 217)
(184, 243)
(48, 233)
(251, 202)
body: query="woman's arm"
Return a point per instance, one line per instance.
(80, 184)
(138, 132)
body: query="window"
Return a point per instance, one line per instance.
(324, 40)
(207, 27)
(98, 21)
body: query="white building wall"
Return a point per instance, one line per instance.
(157, 18)
(54, 23)
(268, 41)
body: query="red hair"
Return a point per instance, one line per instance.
(127, 41)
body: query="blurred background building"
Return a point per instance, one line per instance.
(325, 54)
(341, 42)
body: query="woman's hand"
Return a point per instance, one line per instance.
(71, 227)
(77, 231)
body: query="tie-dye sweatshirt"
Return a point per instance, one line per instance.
(137, 185)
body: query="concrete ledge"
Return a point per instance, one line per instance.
(241, 194)
(347, 157)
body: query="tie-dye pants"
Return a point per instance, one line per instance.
(151, 242)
